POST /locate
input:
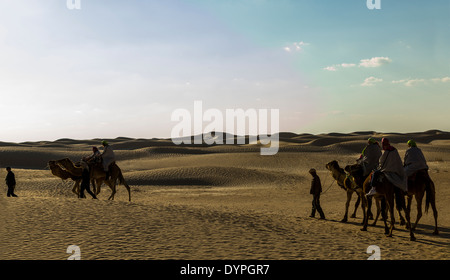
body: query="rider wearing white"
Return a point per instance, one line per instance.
(391, 166)
(108, 157)
(414, 159)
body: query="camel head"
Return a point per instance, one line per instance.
(348, 169)
(332, 165)
(52, 164)
(69, 166)
(58, 171)
(66, 163)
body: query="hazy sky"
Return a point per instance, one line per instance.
(120, 68)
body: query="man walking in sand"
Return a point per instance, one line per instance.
(316, 189)
(85, 181)
(10, 182)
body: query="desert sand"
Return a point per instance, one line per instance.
(210, 202)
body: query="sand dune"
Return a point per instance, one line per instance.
(210, 202)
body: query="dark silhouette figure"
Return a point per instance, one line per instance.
(10, 182)
(316, 189)
(85, 181)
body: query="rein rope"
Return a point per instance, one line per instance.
(329, 187)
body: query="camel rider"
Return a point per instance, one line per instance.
(414, 159)
(95, 157)
(391, 166)
(108, 157)
(370, 156)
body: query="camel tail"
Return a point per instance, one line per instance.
(430, 194)
(122, 179)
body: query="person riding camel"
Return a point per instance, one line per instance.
(414, 159)
(95, 157)
(370, 156)
(108, 157)
(391, 167)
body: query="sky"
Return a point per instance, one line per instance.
(120, 68)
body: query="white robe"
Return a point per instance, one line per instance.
(414, 161)
(108, 157)
(392, 167)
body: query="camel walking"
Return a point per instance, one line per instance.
(391, 194)
(64, 175)
(350, 186)
(98, 175)
(419, 184)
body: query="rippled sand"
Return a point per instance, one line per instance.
(208, 203)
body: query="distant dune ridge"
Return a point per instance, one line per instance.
(210, 201)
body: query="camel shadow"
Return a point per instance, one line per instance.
(425, 232)
(444, 232)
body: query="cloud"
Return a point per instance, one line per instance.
(365, 63)
(374, 62)
(348, 65)
(371, 81)
(338, 66)
(409, 82)
(330, 68)
(295, 47)
(415, 82)
(441, 80)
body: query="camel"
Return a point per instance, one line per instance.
(358, 178)
(64, 175)
(98, 174)
(349, 185)
(419, 184)
(388, 191)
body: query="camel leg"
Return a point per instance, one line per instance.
(390, 206)
(408, 208)
(94, 187)
(402, 219)
(364, 207)
(419, 209)
(98, 183)
(128, 189)
(113, 189)
(377, 203)
(356, 207)
(400, 204)
(433, 204)
(347, 204)
(435, 214)
(384, 215)
(76, 187)
(369, 208)
(408, 225)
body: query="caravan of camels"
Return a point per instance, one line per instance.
(65, 169)
(352, 179)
